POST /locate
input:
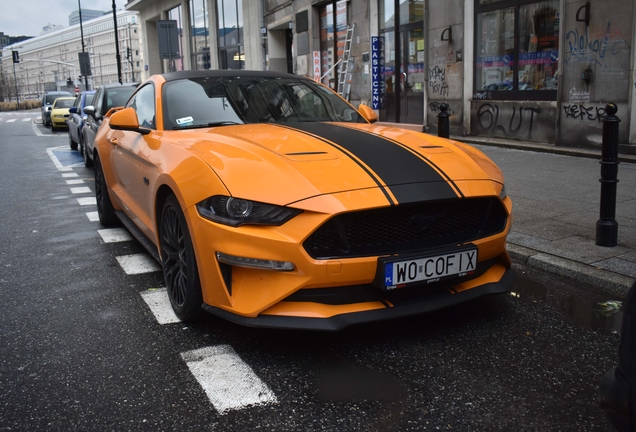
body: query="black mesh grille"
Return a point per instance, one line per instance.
(407, 228)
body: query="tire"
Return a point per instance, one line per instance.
(88, 162)
(105, 208)
(179, 264)
(71, 143)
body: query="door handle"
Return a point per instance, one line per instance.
(114, 141)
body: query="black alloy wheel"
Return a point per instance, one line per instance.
(105, 208)
(179, 264)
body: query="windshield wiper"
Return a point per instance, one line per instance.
(211, 124)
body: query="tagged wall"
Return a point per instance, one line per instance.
(524, 121)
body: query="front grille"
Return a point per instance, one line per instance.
(407, 228)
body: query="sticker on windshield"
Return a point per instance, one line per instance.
(185, 121)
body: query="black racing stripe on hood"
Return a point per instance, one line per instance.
(392, 163)
(356, 161)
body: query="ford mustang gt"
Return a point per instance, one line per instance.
(271, 201)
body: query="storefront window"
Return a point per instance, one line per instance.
(199, 32)
(333, 33)
(230, 16)
(175, 14)
(522, 67)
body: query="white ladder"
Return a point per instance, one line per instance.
(344, 76)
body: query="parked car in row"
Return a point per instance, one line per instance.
(270, 201)
(77, 117)
(106, 97)
(47, 104)
(60, 112)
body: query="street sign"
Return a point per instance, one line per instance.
(168, 39)
(85, 63)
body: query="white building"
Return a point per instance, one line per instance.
(47, 62)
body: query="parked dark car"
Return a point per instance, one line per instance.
(77, 117)
(106, 97)
(47, 104)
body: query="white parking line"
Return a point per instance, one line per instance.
(11, 121)
(87, 201)
(72, 182)
(159, 304)
(26, 119)
(81, 190)
(229, 383)
(114, 235)
(70, 175)
(138, 264)
(92, 216)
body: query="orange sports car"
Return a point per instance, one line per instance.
(270, 201)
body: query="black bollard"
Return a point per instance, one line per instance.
(443, 121)
(606, 226)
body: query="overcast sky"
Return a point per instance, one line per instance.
(27, 17)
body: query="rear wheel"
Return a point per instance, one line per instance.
(105, 208)
(179, 264)
(71, 143)
(88, 162)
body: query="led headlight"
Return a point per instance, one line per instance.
(236, 211)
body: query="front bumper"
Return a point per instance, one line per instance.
(433, 301)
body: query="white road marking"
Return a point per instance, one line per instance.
(81, 190)
(114, 235)
(26, 119)
(11, 121)
(70, 175)
(55, 160)
(93, 216)
(36, 129)
(159, 304)
(72, 182)
(229, 383)
(138, 264)
(87, 201)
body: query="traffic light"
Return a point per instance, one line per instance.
(16, 56)
(69, 82)
(129, 53)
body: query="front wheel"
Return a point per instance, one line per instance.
(179, 263)
(88, 162)
(105, 208)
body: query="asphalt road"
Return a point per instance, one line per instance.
(83, 350)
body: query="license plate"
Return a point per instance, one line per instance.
(429, 269)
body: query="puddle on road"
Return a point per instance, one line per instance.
(580, 307)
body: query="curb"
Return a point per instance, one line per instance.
(603, 280)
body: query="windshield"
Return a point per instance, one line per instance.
(64, 103)
(88, 99)
(51, 98)
(226, 100)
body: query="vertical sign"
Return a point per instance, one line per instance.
(317, 66)
(377, 72)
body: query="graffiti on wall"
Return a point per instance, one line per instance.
(521, 120)
(588, 48)
(437, 81)
(582, 112)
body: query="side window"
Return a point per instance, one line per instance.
(144, 104)
(98, 101)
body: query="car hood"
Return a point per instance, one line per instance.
(287, 163)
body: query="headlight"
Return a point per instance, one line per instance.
(236, 211)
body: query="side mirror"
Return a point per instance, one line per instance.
(126, 119)
(50, 108)
(90, 110)
(368, 114)
(72, 110)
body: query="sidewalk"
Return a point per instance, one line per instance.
(556, 199)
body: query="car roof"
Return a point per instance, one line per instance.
(54, 92)
(172, 76)
(115, 85)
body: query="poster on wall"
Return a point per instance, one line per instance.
(377, 72)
